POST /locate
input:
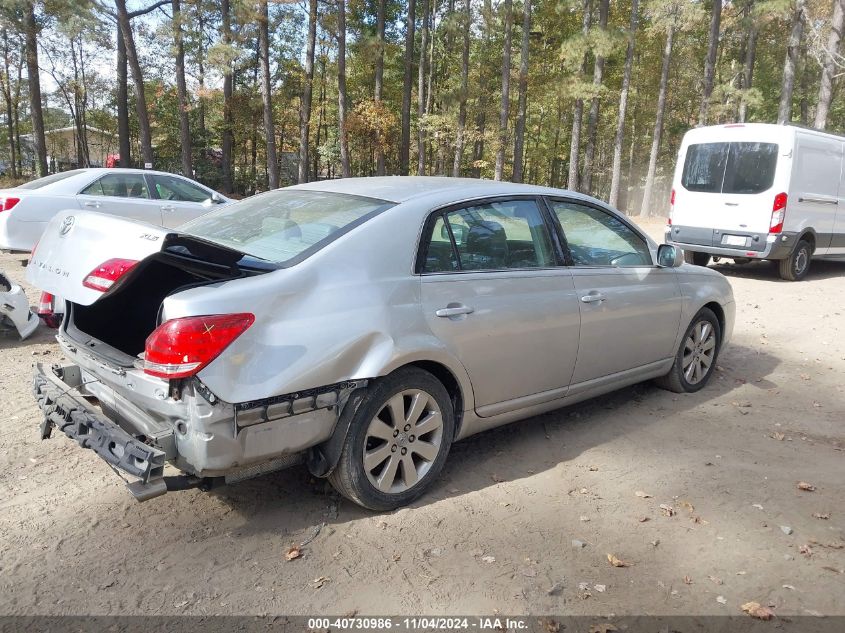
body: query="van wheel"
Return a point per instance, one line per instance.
(797, 265)
(699, 259)
(695, 360)
(398, 441)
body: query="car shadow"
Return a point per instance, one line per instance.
(768, 271)
(481, 461)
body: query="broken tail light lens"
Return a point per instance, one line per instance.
(778, 213)
(8, 203)
(181, 347)
(106, 274)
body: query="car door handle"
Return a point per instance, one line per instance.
(818, 200)
(92, 205)
(168, 207)
(454, 311)
(593, 297)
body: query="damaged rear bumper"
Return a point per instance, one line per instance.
(82, 423)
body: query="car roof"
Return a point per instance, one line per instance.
(403, 188)
(125, 170)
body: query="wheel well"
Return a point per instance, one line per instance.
(719, 312)
(445, 376)
(810, 237)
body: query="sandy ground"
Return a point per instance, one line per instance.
(499, 530)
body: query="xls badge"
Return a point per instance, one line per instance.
(67, 225)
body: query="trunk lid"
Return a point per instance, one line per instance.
(75, 243)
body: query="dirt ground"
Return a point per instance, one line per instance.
(522, 520)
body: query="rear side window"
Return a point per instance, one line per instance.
(730, 167)
(491, 236)
(119, 186)
(49, 180)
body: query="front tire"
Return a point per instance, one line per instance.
(797, 265)
(397, 442)
(699, 259)
(695, 360)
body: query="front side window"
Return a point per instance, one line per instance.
(172, 188)
(736, 168)
(597, 238)
(284, 224)
(491, 236)
(119, 185)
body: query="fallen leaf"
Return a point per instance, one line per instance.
(319, 582)
(655, 542)
(552, 626)
(642, 495)
(397, 558)
(716, 580)
(805, 376)
(600, 588)
(819, 515)
(293, 552)
(757, 505)
(617, 562)
(721, 600)
(806, 550)
(593, 468)
(803, 485)
(687, 580)
(777, 436)
(584, 518)
(488, 559)
(688, 506)
(667, 510)
(833, 569)
(584, 491)
(643, 519)
(756, 610)
(789, 587)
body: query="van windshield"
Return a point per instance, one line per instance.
(730, 167)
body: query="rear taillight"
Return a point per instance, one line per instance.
(106, 274)
(179, 348)
(671, 207)
(8, 203)
(778, 213)
(45, 304)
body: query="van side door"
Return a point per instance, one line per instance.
(814, 191)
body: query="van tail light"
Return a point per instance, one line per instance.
(778, 213)
(671, 206)
(181, 347)
(106, 274)
(7, 204)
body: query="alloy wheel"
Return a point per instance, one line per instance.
(402, 441)
(699, 352)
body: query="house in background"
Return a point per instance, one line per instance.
(62, 151)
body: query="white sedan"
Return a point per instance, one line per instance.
(148, 196)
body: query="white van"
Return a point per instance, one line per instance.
(759, 191)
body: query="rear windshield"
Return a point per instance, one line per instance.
(285, 225)
(49, 180)
(730, 167)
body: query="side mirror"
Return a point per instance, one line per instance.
(216, 198)
(669, 256)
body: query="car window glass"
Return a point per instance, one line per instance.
(597, 238)
(170, 188)
(49, 180)
(501, 235)
(740, 168)
(119, 185)
(440, 256)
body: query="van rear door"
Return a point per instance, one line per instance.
(727, 187)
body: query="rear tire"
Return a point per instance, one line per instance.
(398, 441)
(797, 265)
(695, 360)
(699, 259)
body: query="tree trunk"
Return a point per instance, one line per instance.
(322, 113)
(341, 89)
(182, 92)
(421, 90)
(519, 131)
(7, 95)
(829, 65)
(748, 66)
(138, 79)
(379, 78)
(592, 122)
(504, 108)
(790, 62)
(266, 96)
(124, 143)
(34, 81)
(578, 111)
(228, 138)
(645, 209)
(405, 132)
(710, 61)
(307, 94)
(483, 97)
(616, 171)
(201, 74)
(462, 107)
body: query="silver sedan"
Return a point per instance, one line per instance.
(360, 326)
